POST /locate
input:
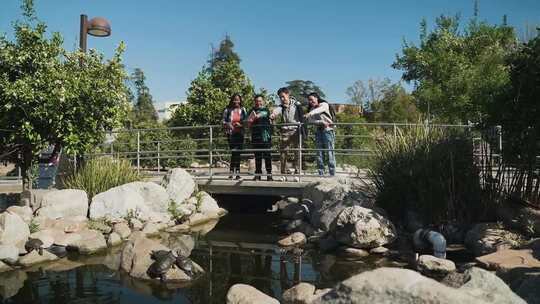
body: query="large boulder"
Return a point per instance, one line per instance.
(64, 203)
(116, 203)
(505, 260)
(329, 196)
(487, 286)
(485, 238)
(395, 285)
(13, 230)
(207, 204)
(179, 184)
(9, 253)
(24, 212)
(363, 228)
(154, 195)
(91, 241)
(35, 258)
(245, 294)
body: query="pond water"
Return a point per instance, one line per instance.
(240, 249)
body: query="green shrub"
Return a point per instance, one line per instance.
(429, 171)
(101, 174)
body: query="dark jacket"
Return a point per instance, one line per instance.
(261, 128)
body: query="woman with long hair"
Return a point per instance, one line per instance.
(234, 117)
(320, 114)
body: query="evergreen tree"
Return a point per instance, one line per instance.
(209, 92)
(223, 54)
(143, 109)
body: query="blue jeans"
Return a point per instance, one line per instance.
(325, 139)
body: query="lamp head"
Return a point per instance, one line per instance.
(99, 27)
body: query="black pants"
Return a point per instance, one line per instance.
(236, 144)
(259, 155)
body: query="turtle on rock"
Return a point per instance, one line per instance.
(163, 261)
(185, 264)
(34, 244)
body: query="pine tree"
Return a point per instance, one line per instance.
(143, 109)
(209, 92)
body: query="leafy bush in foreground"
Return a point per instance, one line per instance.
(101, 174)
(429, 171)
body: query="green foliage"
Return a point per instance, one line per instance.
(518, 111)
(211, 90)
(458, 74)
(130, 216)
(33, 226)
(430, 171)
(225, 53)
(102, 225)
(101, 174)
(175, 214)
(143, 109)
(300, 89)
(170, 143)
(50, 96)
(396, 105)
(352, 137)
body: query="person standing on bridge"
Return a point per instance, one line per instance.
(261, 136)
(233, 121)
(291, 114)
(320, 114)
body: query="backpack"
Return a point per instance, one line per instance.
(331, 110)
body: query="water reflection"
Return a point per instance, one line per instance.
(239, 250)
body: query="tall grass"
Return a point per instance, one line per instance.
(429, 171)
(101, 174)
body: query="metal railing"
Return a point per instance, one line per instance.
(157, 149)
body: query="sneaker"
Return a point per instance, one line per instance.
(238, 177)
(269, 178)
(257, 178)
(230, 177)
(296, 179)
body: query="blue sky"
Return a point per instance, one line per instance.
(332, 43)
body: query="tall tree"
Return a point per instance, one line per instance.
(209, 92)
(223, 54)
(143, 109)
(300, 89)
(396, 105)
(50, 96)
(457, 74)
(365, 95)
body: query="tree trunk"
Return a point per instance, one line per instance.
(26, 167)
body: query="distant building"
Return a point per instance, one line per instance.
(165, 109)
(347, 107)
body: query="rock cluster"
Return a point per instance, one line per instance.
(337, 212)
(55, 221)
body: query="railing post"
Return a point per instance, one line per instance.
(300, 152)
(138, 151)
(210, 153)
(74, 162)
(158, 163)
(395, 131)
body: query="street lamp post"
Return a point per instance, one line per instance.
(98, 27)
